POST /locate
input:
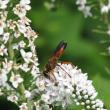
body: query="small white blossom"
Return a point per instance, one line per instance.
(3, 4)
(35, 71)
(104, 9)
(13, 98)
(11, 24)
(85, 10)
(45, 98)
(15, 80)
(6, 37)
(22, 44)
(40, 83)
(81, 2)
(25, 67)
(23, 106)
(3, 79)
(7, 66)
(27, 56)
(21, 26)
(2, 26)
(27, 94)
(22, 8)
(15, 46)
(3, 50)
(25, 1)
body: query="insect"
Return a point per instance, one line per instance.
(52, 62)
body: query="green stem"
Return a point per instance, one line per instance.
(10, 49)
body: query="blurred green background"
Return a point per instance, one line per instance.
(65, 22)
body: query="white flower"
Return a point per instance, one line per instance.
(3, 4)
(3, 50)
(40, 106)
(30, 34)
(45, 98)
(81, 2)
(2, 26)
(104, 9)
(27, 56)
(40, 83)
(27, 94)
(15, 46)
(15, 80)
(22, 8)
(25, 20)
(35, 71)
(85, 10)
(69, 82)
(21, 26)
(7, 66)
(3, 15)
(25, 67)
(11, 24)
(17, 33)
(23, 106)
(22, 44)
(25, 2)
(12, 98)
(6, 37)
(3, 79)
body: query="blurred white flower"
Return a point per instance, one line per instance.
(85, 10)
(27, 94)
(22, 44)
(15, 79)
(35, 71)
(27, 56)
(45, 98)
(3, 50)
(15, 46)
(23, 106)
(2, 26)
(40, 83)
(3, 79)
(12, 98)
(104, 9)
(81, 2)
(22, 8)
(11, 24)
(3, 15)
(25, 20)
(25, 1)
(25, 67)
(67, 86)
(7, 66)
(3, 4)
(6, 37)
(21, 26)
(30, 34)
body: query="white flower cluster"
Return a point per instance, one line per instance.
(17, 50)
(105, 8)
(70, 85)
(83, 7)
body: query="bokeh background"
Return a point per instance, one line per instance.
(85, 47)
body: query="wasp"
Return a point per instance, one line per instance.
(53, 61)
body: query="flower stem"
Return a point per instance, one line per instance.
(10, 49)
